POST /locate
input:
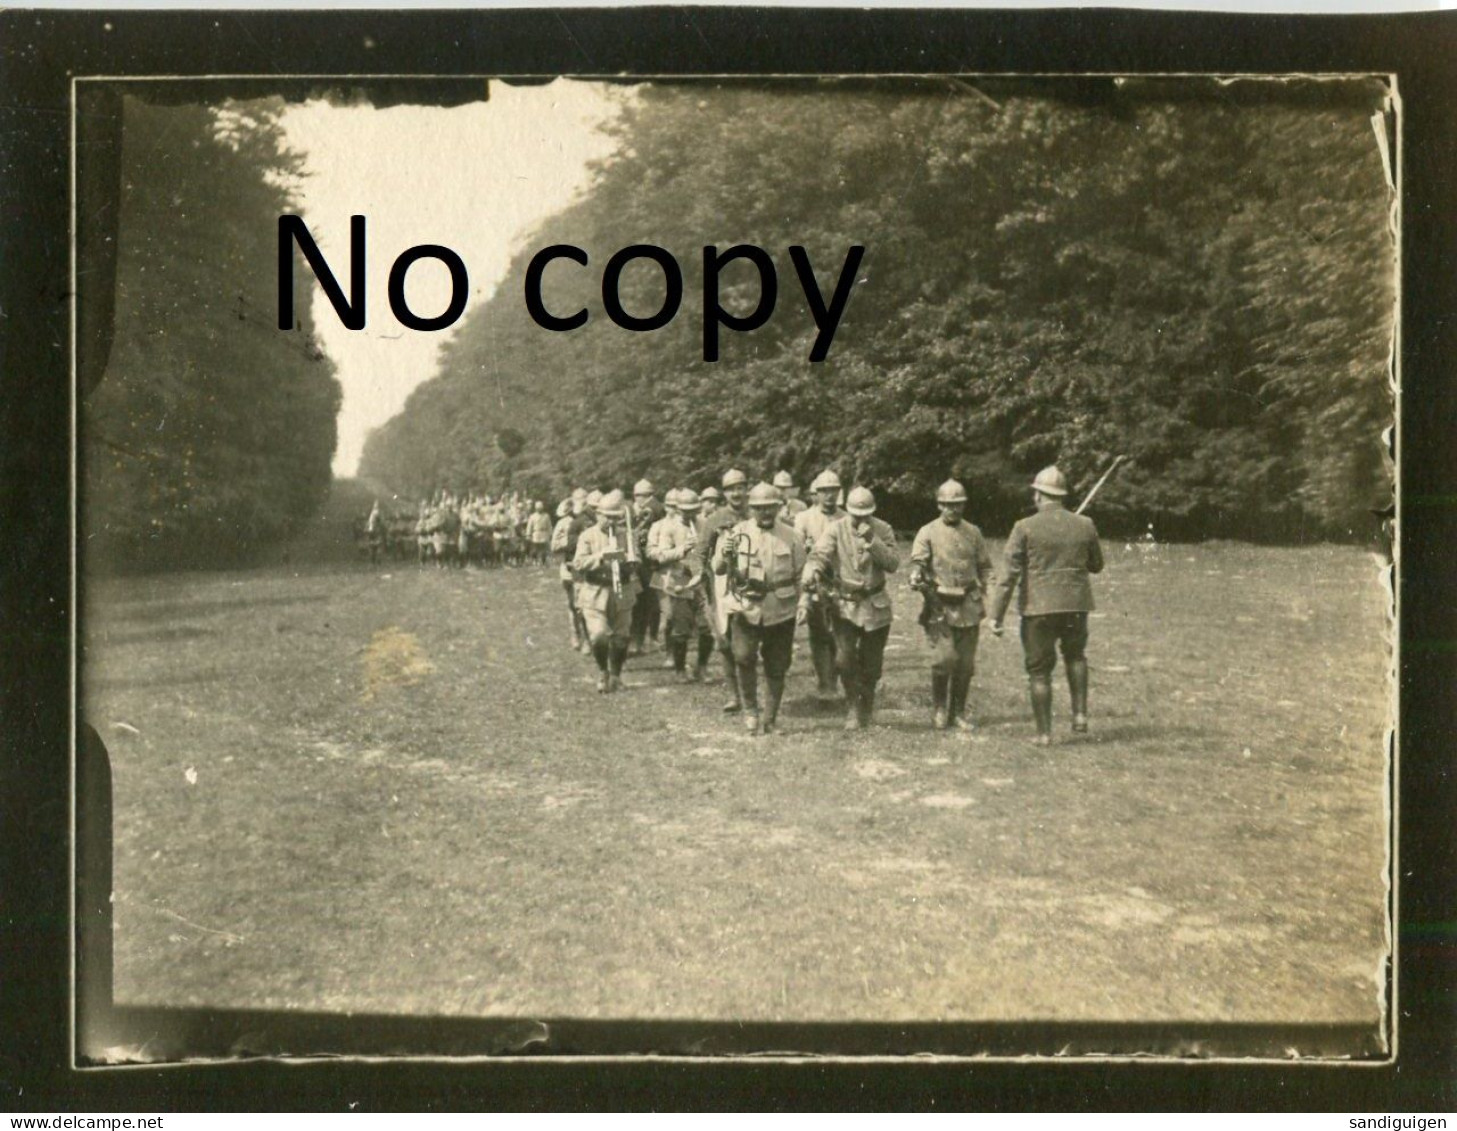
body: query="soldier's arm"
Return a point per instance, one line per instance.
(720, 550)
(983, 565)
(1095, 553)
(882, 548)
(822, 559)
(1013, 565)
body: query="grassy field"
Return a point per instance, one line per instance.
(385, 789)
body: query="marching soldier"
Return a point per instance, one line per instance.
(735, 511)
(951, 568)
(606, 590)
(1052, 554)
(793, 504)
(761, 559)
(674, 549)
(810, 524)
(847, 569)
(564, 547)
(646, 613)
(538, 532)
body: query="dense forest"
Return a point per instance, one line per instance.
(1197, 275)
(211, 433)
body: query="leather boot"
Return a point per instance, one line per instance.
(940, 715)
(1039, 689)
(1077, 685)
(731, 677)
(865, 707)
(771, 713)
(960, 686)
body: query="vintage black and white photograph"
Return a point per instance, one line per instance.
(822, 554)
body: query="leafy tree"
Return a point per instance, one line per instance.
(1055, 271)
(212, 432)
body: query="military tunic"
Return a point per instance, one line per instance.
(811, 522)
(858, 570)
(956, 559)
(1051, 553)
(607, 613)
(772, 561)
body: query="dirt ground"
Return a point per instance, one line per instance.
(391, 789)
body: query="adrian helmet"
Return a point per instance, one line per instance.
(783, 479)
(1050, 481)
(861, 502)
(951, 492)
(734, 478)
(765, 495)
(612, 504)
(826, 480)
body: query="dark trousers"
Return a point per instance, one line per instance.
(1042, 636)
(579, 626)
(775, 643)
(859, 657)
(953, 663)
(822, 645)
(647, 616)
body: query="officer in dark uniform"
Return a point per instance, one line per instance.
(1052, 554)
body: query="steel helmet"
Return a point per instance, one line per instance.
(578, 493)
(643, 487)
(734, 478)
(712, 492)
(951, 492)
(783, 479)
(564, 508)
(1050, 481)
(688, 499)
(594, 499)
(670, 498)
(612, 504)
(764, 495)
(826, 480)
(861, 502)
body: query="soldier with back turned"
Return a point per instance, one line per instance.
(1051, 555)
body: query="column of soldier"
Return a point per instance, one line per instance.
(734, 571)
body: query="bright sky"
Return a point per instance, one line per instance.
(474, 178)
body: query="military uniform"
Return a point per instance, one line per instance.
(674, 551)
(646, 612)
(810, 524)
(606, 611)
(762, 612)
(851, 570)
(954, 560)
(714, 527)
(1051, 556)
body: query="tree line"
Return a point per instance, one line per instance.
(1196, 275)
(211, 433)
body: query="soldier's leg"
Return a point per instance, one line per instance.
(872, 662)
(620, 613)
(681, 629)
(847, 665)
(655, 614)
(778, 650)
(599, 637)
(965, 640)
(744, 652)
(638, 621)
(725, 646)
(1074, 657)
(822, 652)
(943, 661)
(1039, 647)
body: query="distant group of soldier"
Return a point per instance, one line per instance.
(734, 570)
(461, 530)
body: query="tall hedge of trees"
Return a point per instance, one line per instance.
(211, 432)
(1197, 276)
